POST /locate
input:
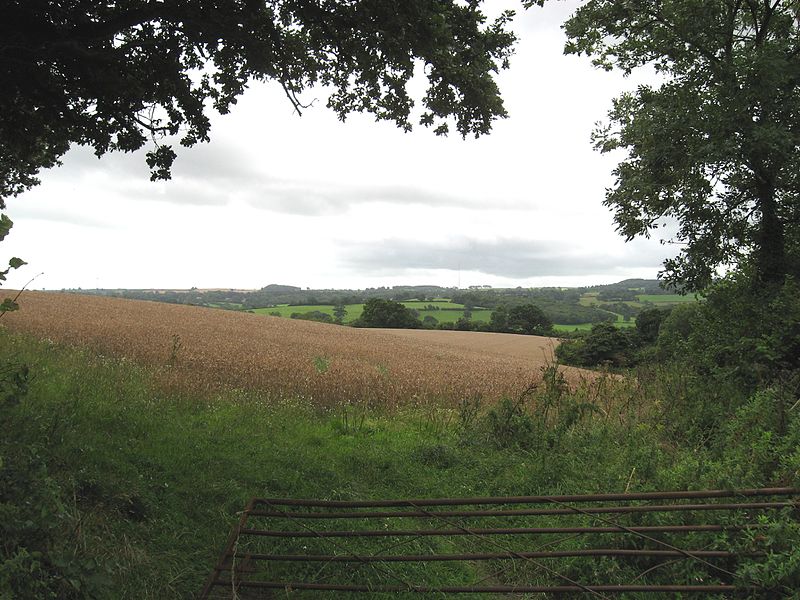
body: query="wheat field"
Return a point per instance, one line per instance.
(207, 349)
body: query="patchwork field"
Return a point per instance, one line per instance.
(444, 311)
(208, 349)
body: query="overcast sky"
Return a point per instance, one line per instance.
(313, 202)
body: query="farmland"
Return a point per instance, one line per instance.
(443, 311)
(662, 299)
(569, 309)
(287, 310)
(144, 483)
(448, 312)
(141, 429)
(641, 300)
(206, 349)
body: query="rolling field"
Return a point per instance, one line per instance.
(441, 304)
(205, 349)
(448, 312)
(666, 298)
(286, 310)
(530, 347)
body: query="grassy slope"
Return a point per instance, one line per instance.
(448, 312)
(151, 480)
(155, 479)
(285, 310)
(666, 299)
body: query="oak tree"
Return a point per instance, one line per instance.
(121, 74)
(714, 146)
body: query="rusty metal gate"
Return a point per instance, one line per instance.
(502, 545)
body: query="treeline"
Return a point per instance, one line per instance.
(560, 305)
(274, 295)
(628, 289)
(608, 345)
(524, 319)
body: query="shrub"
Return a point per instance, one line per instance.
(606, 344)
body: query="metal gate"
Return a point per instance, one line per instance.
(500, 545)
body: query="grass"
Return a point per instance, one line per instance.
(449, 312)
(441, 304)
(286, 310)
(451, 316)
(442, 316)
(573, 327)
(149, 480)
(643, 300)
(154, 479)
(666, 298)
(226, 305)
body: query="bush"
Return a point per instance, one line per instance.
(606, 344)
(648, 323)
(388, 313)
(313, 315)
(37, 559)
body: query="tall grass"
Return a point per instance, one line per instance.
(138, 486)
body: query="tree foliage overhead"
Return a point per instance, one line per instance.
(116, 75)
(714, 147)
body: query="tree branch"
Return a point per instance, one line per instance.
(149, 127)
(753, 6)
(659, 18)
(292, 96)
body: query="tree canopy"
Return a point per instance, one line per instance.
(714, 146)
(121, 74)
(378, 312)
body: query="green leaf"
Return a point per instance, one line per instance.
(5, 226)
(16, 263)
(8, 305)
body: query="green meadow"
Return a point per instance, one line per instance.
(445, 311)
(449, 312)
(666, 298)
(286, 310)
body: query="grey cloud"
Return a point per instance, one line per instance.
(179, 190)
(81, 161)
(320, 198)
(212, 161)
(513, 258)
(28, 210)
(217, 162)
(210, 175)
(297, 199)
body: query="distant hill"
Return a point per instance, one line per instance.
(275, 288)
(642, 286)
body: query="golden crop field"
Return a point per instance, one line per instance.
(327, 364)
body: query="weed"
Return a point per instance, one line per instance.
(352, 420)
(437, 419)
(469, 412)
(321, 364)
(177, 344)
(510, 425)
(38, 554)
